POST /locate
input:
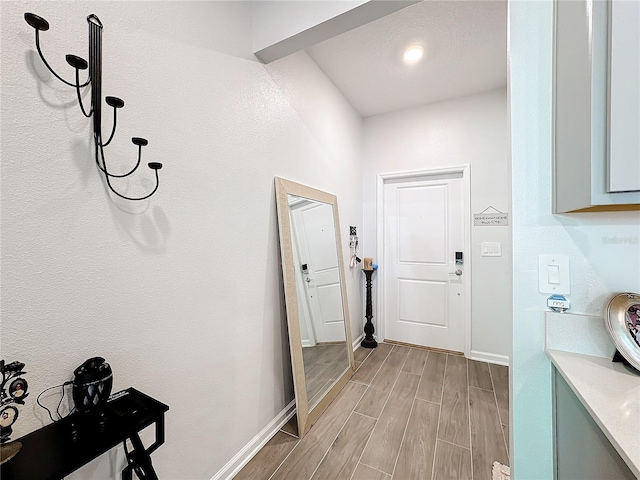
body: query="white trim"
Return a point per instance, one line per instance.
(241, 458)
(356, 342)
(489, 358)
(465, 170)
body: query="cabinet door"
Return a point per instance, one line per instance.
(586, 129)
(624, 97)
(582, 451)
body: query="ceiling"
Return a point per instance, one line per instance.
(465, 45)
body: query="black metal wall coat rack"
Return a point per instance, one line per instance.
(95, 81)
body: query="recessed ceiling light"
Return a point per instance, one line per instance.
(413, 54)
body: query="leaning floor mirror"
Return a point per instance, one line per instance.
(315, 297)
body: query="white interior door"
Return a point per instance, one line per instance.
(315, 236)
(423, 287)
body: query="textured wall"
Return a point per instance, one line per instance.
(181, 293)
(602, 248)
(470, 130)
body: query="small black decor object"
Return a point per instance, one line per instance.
(95, 80)
(92, 385)
(11, 395)
(369, 329)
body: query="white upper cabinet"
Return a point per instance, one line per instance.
(624, 97)
(596, 106)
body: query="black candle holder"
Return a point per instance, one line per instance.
(369, 329)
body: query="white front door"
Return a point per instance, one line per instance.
(423, 286)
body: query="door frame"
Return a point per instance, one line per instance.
(465, 170)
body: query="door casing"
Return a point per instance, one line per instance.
(465, 170)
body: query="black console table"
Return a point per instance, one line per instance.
(60, 448)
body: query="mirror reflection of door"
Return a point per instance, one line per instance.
(321, 316)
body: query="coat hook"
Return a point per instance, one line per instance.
(94, 79)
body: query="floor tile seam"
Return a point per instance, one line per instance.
(365, 446)
(454, 444)
(338, 434)
(399, 352)
(469, 419)
(425, 365)
(365, 415)
(476, 377)
(435, 448)
(381, 364)
(374, 468)
(300, 440)
(502, 426)
(360, 383)
(444, 381)
(495, 402)
(422, 376)
(380, 369)
(284, 459)
(419, 374)
(394, 382)
(495, 397)
(404, 434)
(365, 358)
(426, 401)
(484, 389)
(501, 432)
(375, 425)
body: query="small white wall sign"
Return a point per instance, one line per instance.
(490, 217)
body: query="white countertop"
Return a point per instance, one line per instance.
(611, 394)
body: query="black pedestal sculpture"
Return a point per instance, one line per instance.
(369, 341)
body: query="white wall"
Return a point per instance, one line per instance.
(603, 248)
(470, 130)
(182, 293)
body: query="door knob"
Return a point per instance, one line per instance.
(307, 279)
(458, 272)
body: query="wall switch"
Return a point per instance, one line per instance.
(553, 274)
(491, 249)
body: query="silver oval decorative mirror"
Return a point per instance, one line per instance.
(315, 297)
(622, 318)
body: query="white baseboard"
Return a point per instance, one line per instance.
(489, 357)
(234, 465)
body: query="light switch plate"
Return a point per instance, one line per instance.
(491, 249)
(553, 274)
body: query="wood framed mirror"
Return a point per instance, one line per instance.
(315, 297)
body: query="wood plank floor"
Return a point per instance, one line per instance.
(406, 414)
